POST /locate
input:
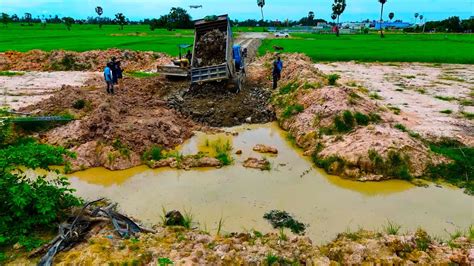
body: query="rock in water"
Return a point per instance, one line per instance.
(174, 218)
(210, 49)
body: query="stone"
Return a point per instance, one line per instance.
(265, 149)
(174, 218)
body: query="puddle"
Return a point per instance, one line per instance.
(241, 196)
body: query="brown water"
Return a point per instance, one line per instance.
(241, 196)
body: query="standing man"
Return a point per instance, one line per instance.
(108, 77)
(115, 71)
(277, 68)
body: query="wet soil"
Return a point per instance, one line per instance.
(215, 105)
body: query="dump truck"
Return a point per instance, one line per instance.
(229, 66)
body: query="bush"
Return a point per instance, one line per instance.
(155, 153)
(332, 79)
(79, 104)
(395, 165)
(292, 110)
(289, 88)
(361, 119)
(29, 205)
(222, 151)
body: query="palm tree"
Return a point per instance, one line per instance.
(416, 16)
(391, 16)
(261, 4)
(338, 8)
(99, 12)
(311, 18)
(382, 2)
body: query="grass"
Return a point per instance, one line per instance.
(391, 228)
(223, 152)
(140, 74)
(332, 79)
(445, 98)
(447, 111)
(459, 172)
(468, 115)
(11, 73)
(90, 37)
(431, 48)
(375, 96)
(292, 110)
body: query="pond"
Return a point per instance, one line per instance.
(241, 196)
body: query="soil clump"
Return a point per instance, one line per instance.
(210, 49)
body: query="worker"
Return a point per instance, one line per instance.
(237, 55)
(277, 68)
(245, 53)
(115, 70)
(189, 56)
(108, 76)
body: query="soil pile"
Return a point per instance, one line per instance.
(191, 247)
(114, 130)
(59, 60)
(214, 105)
(210, 49)
(344, 131)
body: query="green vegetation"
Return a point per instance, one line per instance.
(141, 74)
(392, 228)
(79, 104)
(447, 111)
(11, 73)
(123, 149)
(375, 96)
(222, 151)
(468, 115)
(188, 219)
(460, 171)
(467, 102)
(395, 109)
(289, 88)
(31, 206)
(445, 98)
(292, 110)
(395, 165)
(164, 262)
(400, 127)
(90, 37)
(348, 121)
(332, 79)
(155, 153)
(370, 47)
(282, 219)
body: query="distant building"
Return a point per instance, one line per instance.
(390, 25)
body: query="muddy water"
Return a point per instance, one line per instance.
(241, 196)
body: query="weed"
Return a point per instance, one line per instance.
(460, 171)
(163, 215)
(292, 110)
(289, 88)
(471, 232)
(11, 73)
(447, 111)
(375, 96)
(400, 127)
(445, 98)
(257, 233)
(291, 139)
(155, 153)
(188, 219)
(223, 152)
(394, 109)
(395, 165)
(282, 219)
(410, 77)
(451, 78)
(353, 97)
(392, 228)
(352, 84)
(468, 115)
(141, 74)
(79, 104)
(281, 235)
(421, 90)
(220, 224)
(399, 90)
(164, 261)
(332, 79)
(361, 119)
(466, 102)
(271, 259)
(122, 148)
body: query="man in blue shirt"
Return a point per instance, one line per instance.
(277, 68)
(108, 76)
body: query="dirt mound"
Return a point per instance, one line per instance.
(59, 60)
(112, 131)
(180, 246)
(210, 49)
(345, 131)
(214, 105)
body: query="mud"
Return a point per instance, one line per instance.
(213, 104)
(315, 129)
(210, 49)
(415, 89)
(114, 130)
(59, 60)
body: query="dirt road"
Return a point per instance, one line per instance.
(433, 98)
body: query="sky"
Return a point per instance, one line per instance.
(243, 9)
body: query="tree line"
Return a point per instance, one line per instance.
(179, 18)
